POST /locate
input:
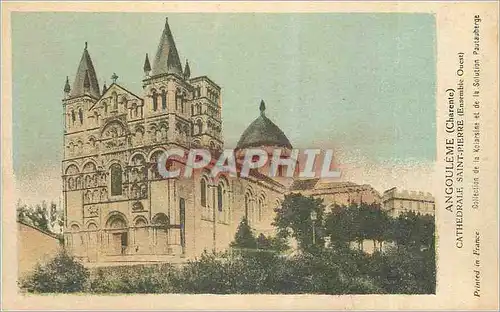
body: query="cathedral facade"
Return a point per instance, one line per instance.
(119, 208)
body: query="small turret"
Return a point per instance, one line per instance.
(67, 88)
(187, 71)
(262, 108)
(147, 66)
(104, 88)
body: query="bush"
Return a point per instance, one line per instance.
(405, 271)
(63, 274)
(252, 271)
(132, 279)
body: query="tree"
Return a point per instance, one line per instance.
(356, 223)
(337, 226)
(244, 237)
(40, 216)
(293, 219)
(277, 244)
(374, 224)
(263, 242)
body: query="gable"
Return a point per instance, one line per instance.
(116, 97)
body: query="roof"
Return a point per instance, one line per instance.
(187, 70)
(167, 58)
(318, 186)
(112, 87)
(302, 185)
(85, 68)
(263, 132)
(67, 87)
(147, 65)
(53, 235)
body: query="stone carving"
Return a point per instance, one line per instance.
(137, 206)
(104, 194)
(93, 211)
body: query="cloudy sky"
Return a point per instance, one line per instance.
(363, 84)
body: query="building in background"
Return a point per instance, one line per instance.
(396, 202)
(335, 192)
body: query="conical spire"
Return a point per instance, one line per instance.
(187, 71)
(262, 107)
(104, 88)
(86, 82)
(86, 68)
(67, 88)
(147, 65)
(167, 59)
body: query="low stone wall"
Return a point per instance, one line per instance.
(34, 246)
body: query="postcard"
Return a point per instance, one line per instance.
(250, 155)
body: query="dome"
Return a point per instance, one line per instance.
(263, 132)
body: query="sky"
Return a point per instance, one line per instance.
(361, 83)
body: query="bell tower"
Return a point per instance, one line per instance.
(79, 97)
(167, 93)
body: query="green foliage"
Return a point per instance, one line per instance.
(63, 274)
(356, 223)
(132, 279)
(293, 219)
(414, 230)
(256, 264)
(205, 275)
(250, 271)
(405, 270)
(277, 244)
(244, 237)
(41, 216)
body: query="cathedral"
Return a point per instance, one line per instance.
(119, 209)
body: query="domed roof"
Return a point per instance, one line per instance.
(263, 132)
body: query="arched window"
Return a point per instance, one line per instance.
(203, 192)
(183, 98)
(115, 100)
(93, 241)
(73, 118)
(72, 169)
(71, 184)
(155, 101)
(116, 180)
(179, 100)
(77, 239)
(261, 207)
(160, 227)
(247, 207)
(220, 197)
(80, 115)
(141, 236)
(199, 126)
(163, 99)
